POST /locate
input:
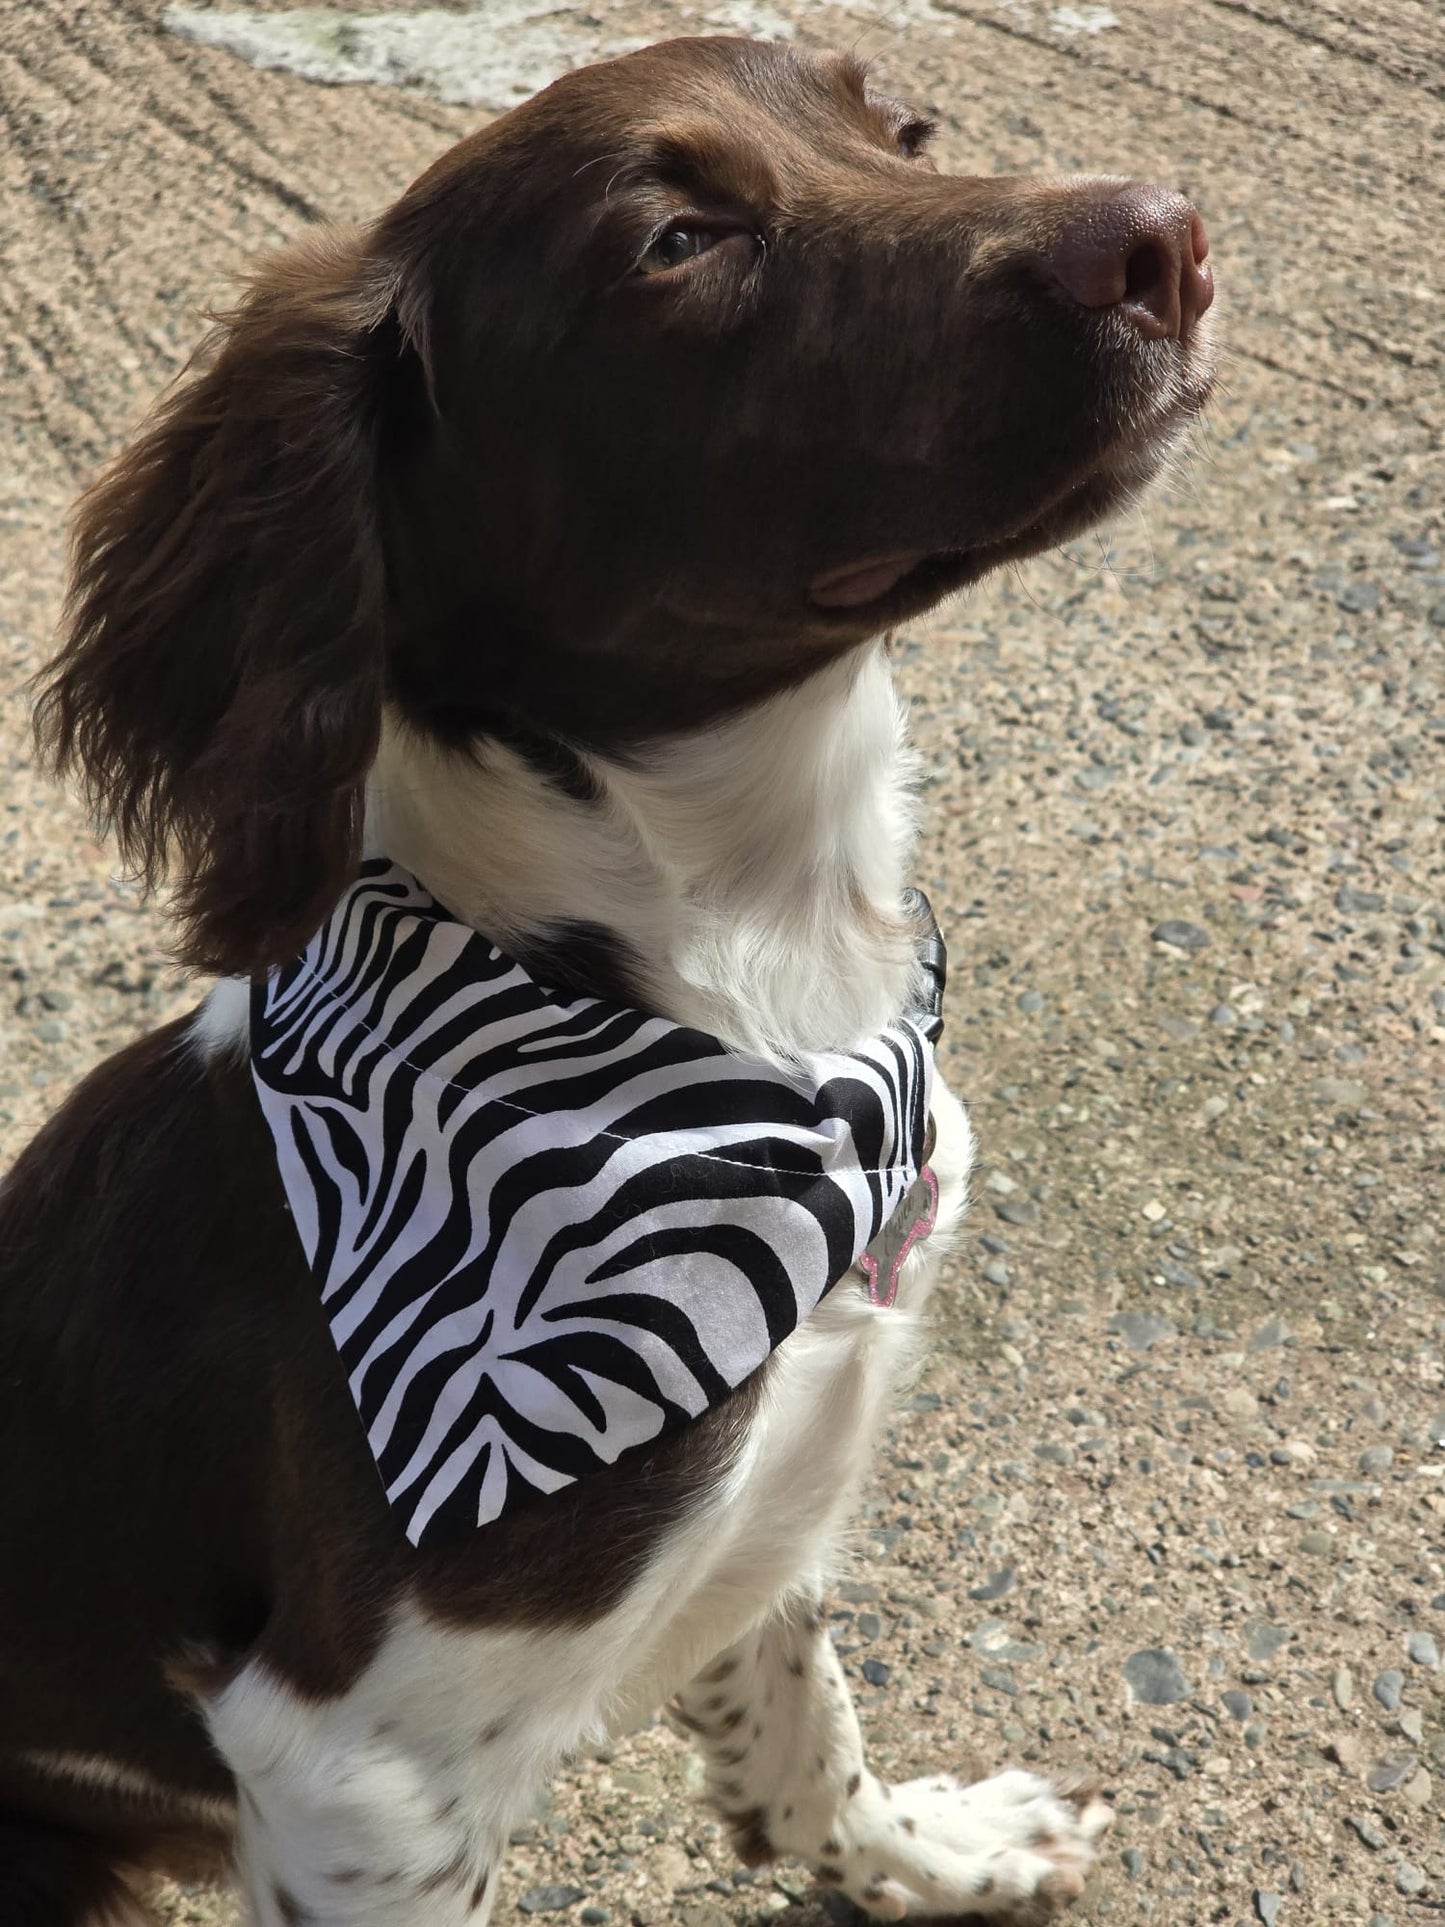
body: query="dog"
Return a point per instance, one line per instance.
(538, 541)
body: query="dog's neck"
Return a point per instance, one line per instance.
(748, 874)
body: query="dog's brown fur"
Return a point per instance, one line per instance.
(468, 461)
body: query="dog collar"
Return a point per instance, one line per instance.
(548, 1228)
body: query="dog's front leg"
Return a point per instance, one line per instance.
(367, 1854)
(390, 1804)
(785, 1768)
(380, 1846)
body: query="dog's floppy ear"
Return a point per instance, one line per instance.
(220, 680)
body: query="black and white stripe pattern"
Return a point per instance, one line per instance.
(547, 1228)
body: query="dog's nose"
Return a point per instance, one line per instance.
(1143, 251)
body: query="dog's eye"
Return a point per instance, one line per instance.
(914, 136)
(676, 245)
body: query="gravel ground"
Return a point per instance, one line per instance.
(1169, 1499)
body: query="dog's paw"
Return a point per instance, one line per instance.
(1015, 1848)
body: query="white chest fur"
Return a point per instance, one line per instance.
(753, 870)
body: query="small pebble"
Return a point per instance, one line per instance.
(1368, 1832)
(876, 1672)
(1133, 1862)
(1388, 1688)
(995, 1586)
(1267, 1906)
(1180, 935)
(1155, 1677)
(1408, 1878)
(1423, 1651)
(1418, 1789)
(1342, 1686)
(1378, 1459)
(1359, 597)
(550, 1900)
(1017, 1211)
(1266, 1640)
(1385, 1775)
(1237, 1704)
(993, 1640)
(1340, 1093)
(1141, 1330)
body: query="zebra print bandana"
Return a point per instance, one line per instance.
(546, 1228)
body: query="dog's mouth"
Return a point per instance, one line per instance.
(902, 582)
(915, 578)
(860, 583)
(909, 579)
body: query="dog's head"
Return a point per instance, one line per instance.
(641, 404)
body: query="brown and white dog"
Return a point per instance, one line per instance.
(539, 536)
